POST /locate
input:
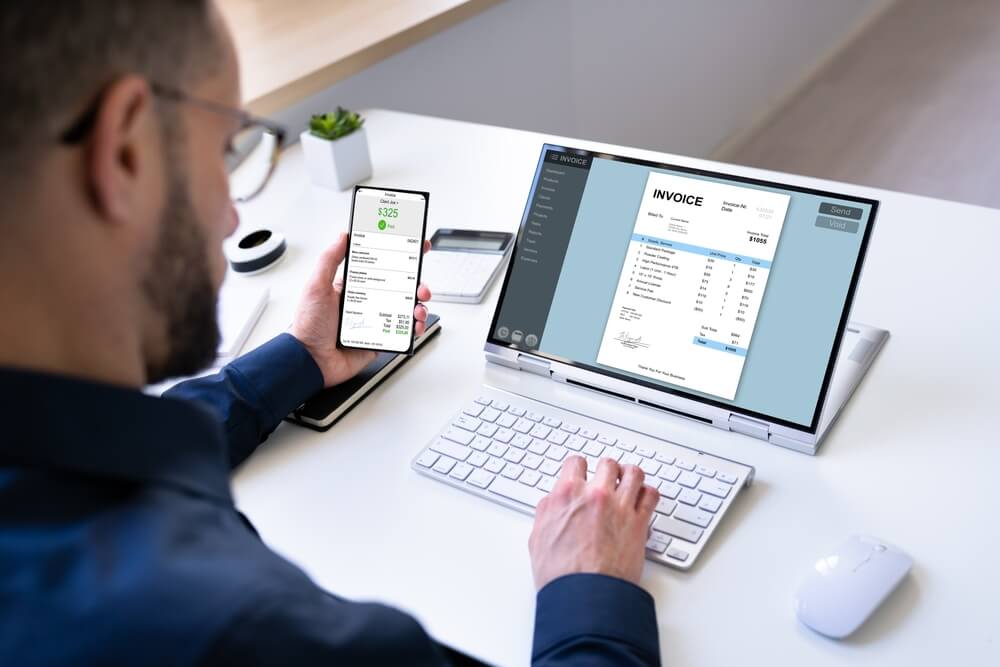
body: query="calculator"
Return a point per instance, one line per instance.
(463, 263)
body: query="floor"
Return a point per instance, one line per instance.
(912, 105)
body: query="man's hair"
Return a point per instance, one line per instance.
(56, 57)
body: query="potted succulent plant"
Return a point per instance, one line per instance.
(336, 149)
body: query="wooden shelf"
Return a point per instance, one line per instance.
(290, 49)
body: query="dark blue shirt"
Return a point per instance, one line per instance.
(120, 543)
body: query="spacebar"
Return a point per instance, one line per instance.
(516, 491)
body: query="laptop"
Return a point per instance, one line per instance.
(706, 295)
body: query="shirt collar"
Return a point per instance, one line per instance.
(102, 430)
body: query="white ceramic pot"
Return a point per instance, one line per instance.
(338, 164)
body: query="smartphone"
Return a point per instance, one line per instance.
(382, 270)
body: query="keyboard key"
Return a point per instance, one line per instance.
(570, 428)
(427, 458)
(467, 422)
(653, 482)
(558, 437)
(516, 411)
(448, 448)
(613, 453)
(506, 420)
(656, 544)
(500, 405)
(483, 400)
(533, 416)
(480, 478)
(675, 528)
(592, 464)
(588, 434)
(532, 461)
(665, 458)
(688, 479)
(576, 443)
(645, 452)
(444, 465)
(497, 449)
(473, 410)
(547, 483)
(488, 430)
(556, 453)
(549, 467)
(692, 515)
(710, 504)
(684, 465)
(461, 471)
(494, 464)
(677, 554)
(477, 459)
(689, 497)
(649, 466)
(631, 459)
(489, 414)
(541, 431)
(521, 441)
(607, 440)
(552, 422)
(669, 473)
(522, 425)
(593, 449)
(480, 443)
(705, 471)
(538, 446)
(512, 471)
(504, 435)
(514, 455)
(717, 489)
(665, 506)
(519, 492)
(726, 477)
(626, 446)
(529, 477)
(457, 435)
(669, 489)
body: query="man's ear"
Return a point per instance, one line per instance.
(121, 146)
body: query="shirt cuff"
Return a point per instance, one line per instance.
(282, 373)
(595, 605)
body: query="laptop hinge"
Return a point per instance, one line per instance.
(534, 365)
(752, 427)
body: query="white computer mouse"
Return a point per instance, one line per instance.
(846, 586)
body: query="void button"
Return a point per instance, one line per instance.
(825, 222)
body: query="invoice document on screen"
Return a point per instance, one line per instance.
(694, 276)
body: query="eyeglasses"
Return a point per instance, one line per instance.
(252, 154)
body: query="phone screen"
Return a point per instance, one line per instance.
(383, 269)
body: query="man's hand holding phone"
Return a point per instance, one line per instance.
(318, 318)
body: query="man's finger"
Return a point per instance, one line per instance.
(420, 313)
(427, 246)
(648, 498)
(574, 467)
(628, 490)
(330, 261)
(423, 293)
(607, 473)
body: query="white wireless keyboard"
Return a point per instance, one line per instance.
(509, 449)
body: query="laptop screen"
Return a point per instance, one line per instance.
(726, 290)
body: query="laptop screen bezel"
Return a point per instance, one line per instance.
(810, 428)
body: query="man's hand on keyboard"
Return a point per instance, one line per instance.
(318, 316)
(600, 526)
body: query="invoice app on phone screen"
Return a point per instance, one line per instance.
(383, 263)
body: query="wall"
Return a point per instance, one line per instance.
(672, 75)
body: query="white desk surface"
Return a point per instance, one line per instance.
(913, 460)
